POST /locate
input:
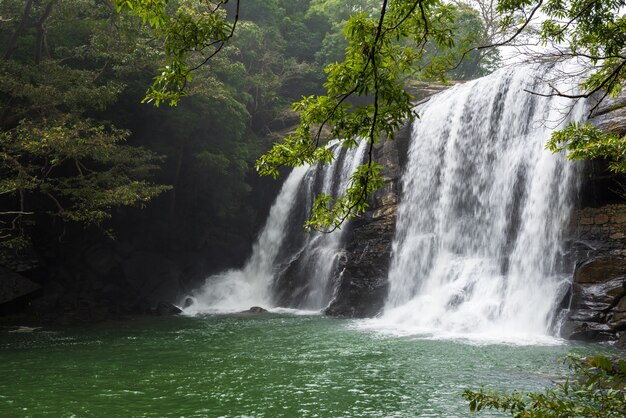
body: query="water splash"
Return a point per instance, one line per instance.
(284, 248)
(307, 279)
(234, 290)
(479, 225)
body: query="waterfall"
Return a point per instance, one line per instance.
(284, 249)
(305, 280)
(478, 234)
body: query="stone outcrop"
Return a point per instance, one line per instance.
(597, 299)
(14, 286)
(610, 116)
(596, 302)
(363, 284)
(255, 310)
(166, 309)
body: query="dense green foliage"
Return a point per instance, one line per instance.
(57, 154)
(76, 144)
(72, 69)
(79, 150)
(596, 388)
(386, 43)
(587, 142)
(378, 50)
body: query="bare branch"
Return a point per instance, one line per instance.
(505, 42)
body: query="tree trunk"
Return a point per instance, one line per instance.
(42, 41)
(12, 44)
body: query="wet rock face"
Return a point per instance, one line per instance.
(14, 286)
(363, 285)
(610, 116)
(597, 299)
(597, 305)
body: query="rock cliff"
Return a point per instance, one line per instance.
(363, 282)
(596, 302)
(597, 299)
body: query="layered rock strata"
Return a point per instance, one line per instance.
(597, 299)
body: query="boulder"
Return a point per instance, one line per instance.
(166, 309)
(600, 270)
(598, 305)
(255, 310)
(14, 286)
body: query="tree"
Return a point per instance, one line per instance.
(386, 47)
(593, 31)
(56, 156)
(594, 389)
(193, 26)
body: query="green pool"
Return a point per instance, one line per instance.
(274, 365)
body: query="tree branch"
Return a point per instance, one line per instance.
(502, 43)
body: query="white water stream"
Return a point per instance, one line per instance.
(478, 245)
(479, 226)
(314, 255)
(235, 290)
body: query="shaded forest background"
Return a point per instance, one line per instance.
(107, 201)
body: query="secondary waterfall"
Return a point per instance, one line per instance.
(478, 234)
(288, 266)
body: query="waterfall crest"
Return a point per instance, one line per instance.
(478, 233)
(288, 266)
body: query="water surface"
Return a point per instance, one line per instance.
(275, 365)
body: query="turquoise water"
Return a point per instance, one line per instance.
(274, 365)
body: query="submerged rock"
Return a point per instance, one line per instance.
(255, 310)
(24, 329)
(166, 308)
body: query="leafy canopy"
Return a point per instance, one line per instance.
(365, 96)
(57, 156)
(388, 42)
(594, 389)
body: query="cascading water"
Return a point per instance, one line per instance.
(478, 232)
(305, 279)
(234, 290)
(284, 247)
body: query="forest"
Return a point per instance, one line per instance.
(405, 166)
(89, 161)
